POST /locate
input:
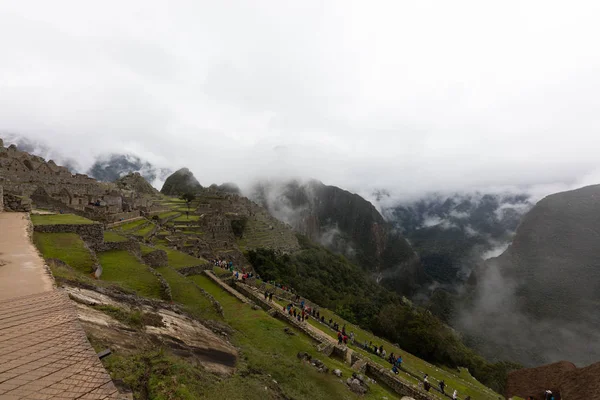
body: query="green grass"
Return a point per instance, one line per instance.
(113, 237)
(184, 218)
(167, 214)
(270, 354)
(124, 269)
(59, 219)
(146, 249)
(131, 226)
(144, 231)
(67, 247)
(185, 292)
(179, 260)
(465, 385)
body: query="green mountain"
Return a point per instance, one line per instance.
(348, 224)
(180, 182)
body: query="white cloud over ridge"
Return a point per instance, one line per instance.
(430, 96)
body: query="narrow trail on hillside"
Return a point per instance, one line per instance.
(331, 340)
(22, 270)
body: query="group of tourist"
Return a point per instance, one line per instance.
(268, 296)
(342, 336)
(304, 312)
(300, 315)
(396, 362)
(442, 388)
(223, 264)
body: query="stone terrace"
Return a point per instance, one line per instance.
(44, 353)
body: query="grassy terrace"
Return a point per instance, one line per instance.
(113, 237)
(59, 219)
(67, 247)
(131, 226)
(146, 249)
(167, 214)
(185, 218)
(271, 354)
(123, 268)
(144, 230)
(463, 381)
(179, 260)
(187, 293)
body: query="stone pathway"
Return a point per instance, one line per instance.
(22, 270)
(44, 352)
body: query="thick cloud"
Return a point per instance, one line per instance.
(412, 97)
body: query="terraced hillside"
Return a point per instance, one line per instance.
(413, 368)
(194, 337)
(156, 263)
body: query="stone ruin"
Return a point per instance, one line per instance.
(26, 178)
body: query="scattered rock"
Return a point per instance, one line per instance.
(255, 307)
(355, 386)
(337, 373)
(407, 398)
(289, 331)
(304, 356)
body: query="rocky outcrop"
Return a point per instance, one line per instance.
(180, 182)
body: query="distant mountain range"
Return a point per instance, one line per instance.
(109, 168)
(106, 168)
(454, 233)
(538, 301)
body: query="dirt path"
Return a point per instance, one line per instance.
(22, 270)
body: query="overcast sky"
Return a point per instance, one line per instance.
(411, 96)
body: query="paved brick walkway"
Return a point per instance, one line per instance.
(44, 353)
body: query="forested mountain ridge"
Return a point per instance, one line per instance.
(347, 224)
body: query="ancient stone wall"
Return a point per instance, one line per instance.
(15, 203)
(129, 245)
(1, 199)
(381, 374)
(92, 234)
(157, 258)
(195, 270)
(226, 287)
(164, 285)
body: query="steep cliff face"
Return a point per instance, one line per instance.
(180, 182)
(538, 301)
(345, 223)
(555, 254)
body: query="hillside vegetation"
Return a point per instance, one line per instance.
(333, 282)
